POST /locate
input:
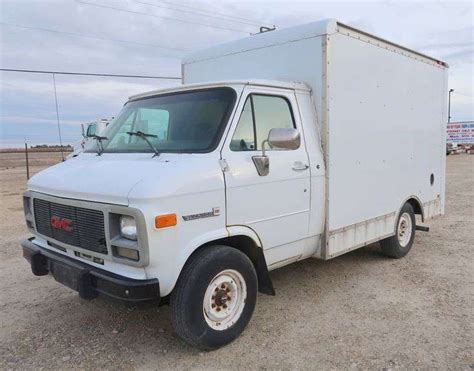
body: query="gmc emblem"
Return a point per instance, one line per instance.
(61, 223)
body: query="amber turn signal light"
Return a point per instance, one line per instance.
(163, 221)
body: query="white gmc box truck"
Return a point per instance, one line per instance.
(307, 142)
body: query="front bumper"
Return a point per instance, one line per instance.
(87, 280)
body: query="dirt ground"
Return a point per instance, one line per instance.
(358, 311)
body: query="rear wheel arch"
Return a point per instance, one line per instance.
(416, 204)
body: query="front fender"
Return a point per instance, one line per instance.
(168, 281)
(169, 275)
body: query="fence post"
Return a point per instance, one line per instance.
(27, 163)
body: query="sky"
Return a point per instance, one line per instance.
(149, 37)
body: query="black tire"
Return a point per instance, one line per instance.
(391, 246)
(187, 313)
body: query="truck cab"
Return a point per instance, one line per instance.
(90, 131)
(178, 174)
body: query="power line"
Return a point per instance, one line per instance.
(161, 17)
(88, 36)
(90, 74)
(202, 13)
(255, 22)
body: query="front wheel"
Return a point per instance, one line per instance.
(400, 244)
(214, 298)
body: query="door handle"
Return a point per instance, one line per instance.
(299, 166)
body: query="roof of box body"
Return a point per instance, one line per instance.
(286, 35)
(254, 82)
(265, 39)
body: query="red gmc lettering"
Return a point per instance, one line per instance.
(61, 223)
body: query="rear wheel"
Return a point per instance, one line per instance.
(400, 244)
(214, 298)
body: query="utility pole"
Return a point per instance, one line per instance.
(449, 105)
(57, 116)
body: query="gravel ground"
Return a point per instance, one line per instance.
(358, 311)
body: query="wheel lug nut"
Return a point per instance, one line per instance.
(213, 305)
(225, 306)
(218, 309)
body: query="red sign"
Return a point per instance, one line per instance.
(460, 132)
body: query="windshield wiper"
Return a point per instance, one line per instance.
(145, 137)
(100, 147)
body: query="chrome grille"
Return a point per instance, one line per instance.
(87, 225)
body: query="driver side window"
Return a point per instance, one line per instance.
(260, 114)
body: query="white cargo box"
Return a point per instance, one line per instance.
(381, 112)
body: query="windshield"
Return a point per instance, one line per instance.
(190, 121)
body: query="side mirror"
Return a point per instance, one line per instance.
(284, 138)
(91, 130)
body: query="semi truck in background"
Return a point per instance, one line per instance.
(91, 129)
(89, 132)
(306, 142)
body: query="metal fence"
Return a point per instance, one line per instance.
(32, 158)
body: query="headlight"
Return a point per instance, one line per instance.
(128, 227)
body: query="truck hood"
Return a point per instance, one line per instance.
(115, 178)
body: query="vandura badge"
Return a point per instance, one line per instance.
(214, 212)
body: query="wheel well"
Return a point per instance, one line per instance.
(242, 243)
(417, 208)
(248, 246)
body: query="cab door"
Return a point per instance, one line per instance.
(276, 206)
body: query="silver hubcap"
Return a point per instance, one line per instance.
(224, 300)
(404, 229)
